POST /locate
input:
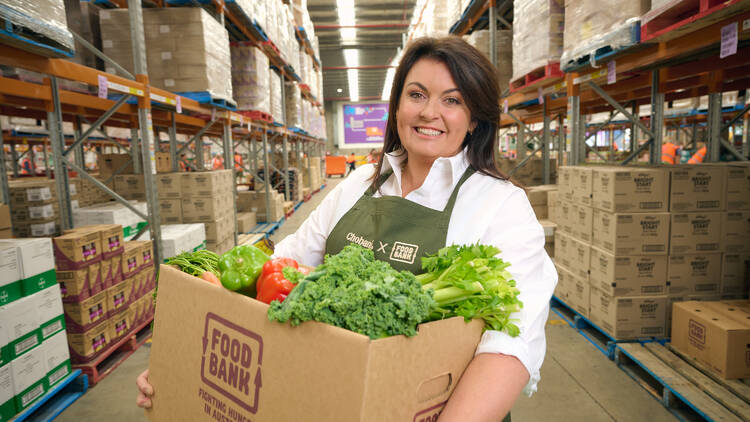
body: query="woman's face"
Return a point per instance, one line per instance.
(432, 117)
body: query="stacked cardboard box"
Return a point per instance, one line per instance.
(112, 213)
(169, 186)
(245, 221)
(178, 238)
(207, 198)
(33, 359)
(6, 232)
(187, 50)
(255, 201)
(735, 232)
(312, 179)
(504, 52)
(110, 164)
(89, 194)
(537, 34)
(250, 77)
(613, 239)
(35, 211)
(531, 172)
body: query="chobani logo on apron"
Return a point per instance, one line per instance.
(359, 240)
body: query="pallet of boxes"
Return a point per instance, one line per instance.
(35, 210)
(207, 198)
(33, 345)
(255, 202)
(611, 247)
(543, 200)
(107, 288)
(711, 250)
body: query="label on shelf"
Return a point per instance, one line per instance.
(102, 86)
(540, 95)
(728, 40)
(505, 107)
(611, 72)
(179, 104)
(746, 24)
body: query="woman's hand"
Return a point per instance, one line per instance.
(145, 390)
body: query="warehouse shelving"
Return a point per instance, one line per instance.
(156, 110)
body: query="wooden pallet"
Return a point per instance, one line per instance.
(684, 389)
(24, 38)
(60, 396)
(604, 49)
(680, 17)
(256, 115)
(108, 361)
(536, 77)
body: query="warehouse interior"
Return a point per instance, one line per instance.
(130, 241)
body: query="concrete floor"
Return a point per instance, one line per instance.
(578, 382)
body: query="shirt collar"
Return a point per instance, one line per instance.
(455, 165)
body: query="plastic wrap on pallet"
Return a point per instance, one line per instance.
(655, 4)
(537, 34)
(274, 86)
(250, 77)
(593, 24)
(187, 50)
(293, 102)
(438, 17)
(43, 17)
(83, 19)
(503, 49)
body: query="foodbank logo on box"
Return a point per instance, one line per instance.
(230, 367)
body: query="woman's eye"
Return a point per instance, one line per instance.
(453, 101)
(415, 95)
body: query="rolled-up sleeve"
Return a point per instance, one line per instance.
(520, 238)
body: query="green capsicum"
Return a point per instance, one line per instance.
(241, 267)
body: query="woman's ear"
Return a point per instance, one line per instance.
(472, 126)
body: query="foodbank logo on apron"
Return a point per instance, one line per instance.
(404, 252)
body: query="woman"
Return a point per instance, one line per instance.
(437, 184)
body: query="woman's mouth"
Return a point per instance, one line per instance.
(428, 131)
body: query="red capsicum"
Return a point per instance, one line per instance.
(272, 285)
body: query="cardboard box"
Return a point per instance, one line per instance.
(199, 209)
(737, 187)
(735, 274)
(19, 326)
(629, 189)
(696, 188)
(582, 185)
(131, 186)
(132, 259)
(146, 257)
(87, 345)
(178, 238)
(672, 299)
(119, 325)
(578, 258)
(695, 233)
(4, 216)
(564, 281)
(629, 275)
(338, 362)
(627, 318)
(110, 163)
(219, 230)
(35, 261)
(207, 183)
(565, 217)
(79, 285)
(7, 404)
(694, 274)
(32, 192)
(77, 249)
(10, 274)
(50, 310)
(84, 316)
(245, 221)
(57, 358)
(735, 227)
(714, 333)
(107, 277)
(578, 294)
(28, 374)
(163, 162)
(581, 220)
(118, 297)
(170, 211)
(632, 234)
(540, 211)
(565, 183)
(6, 234)
(111, 237)
(221, 247)
(169, 185)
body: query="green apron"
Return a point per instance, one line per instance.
(398, 231)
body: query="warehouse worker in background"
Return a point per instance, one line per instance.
(437, 184)
(699, 156)
(352, 162)
(669, 153)
(218, 162)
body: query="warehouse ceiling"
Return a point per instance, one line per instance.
(377, 34)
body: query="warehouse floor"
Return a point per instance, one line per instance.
(578, 382)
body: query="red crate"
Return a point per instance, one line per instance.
(257, 115)
(537, 76)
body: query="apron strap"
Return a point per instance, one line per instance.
(452, 201)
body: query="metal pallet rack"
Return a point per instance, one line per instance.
(155, 108)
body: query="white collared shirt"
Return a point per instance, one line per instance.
(488, 211)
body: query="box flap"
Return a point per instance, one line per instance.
(712, 313)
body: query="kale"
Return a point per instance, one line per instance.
(355, 291)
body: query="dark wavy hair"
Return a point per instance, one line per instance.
(475, 78)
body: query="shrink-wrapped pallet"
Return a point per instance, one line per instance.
(43, 20)
(537, 34)
(438, 17)
(187, 50)
(593, 24)
(277, 109)
(504, 52)
(83, 19)
(293, 102)
(250, 77)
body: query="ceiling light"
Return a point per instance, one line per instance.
(339, 90)
(345, 10)
(351, 57)
(353, 76)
